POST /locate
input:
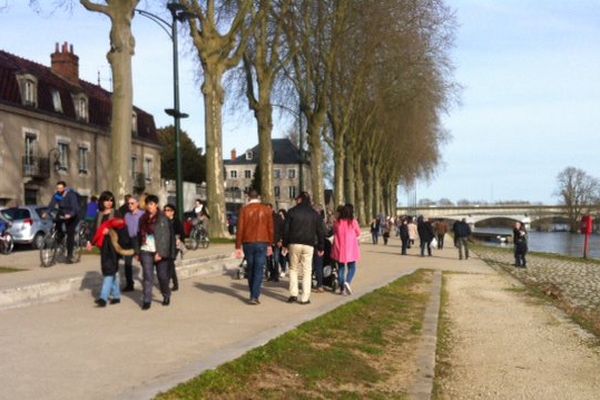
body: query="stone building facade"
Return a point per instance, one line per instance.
(239, 171)
(54, 126)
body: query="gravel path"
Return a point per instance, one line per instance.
(506, 345)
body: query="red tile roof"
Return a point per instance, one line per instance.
(99, 99)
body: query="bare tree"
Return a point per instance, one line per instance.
(122, 49)
(218, 52)
(577, 191)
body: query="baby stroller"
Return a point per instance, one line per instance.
(330, 272)
(242, 271)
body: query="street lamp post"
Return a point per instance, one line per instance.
(178, 13)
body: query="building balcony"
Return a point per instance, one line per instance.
(36, 167)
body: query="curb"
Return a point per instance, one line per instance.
(422, 386)
(60, 289)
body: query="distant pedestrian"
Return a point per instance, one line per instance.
(462, 231)
(317, 263)
(278, 255)
(426, 235)
(91, 213)
(413, 232)
(346, 233)
(375, 230)
(156, 247)
(303, 228)
(441, 228)
(386, 229)
(404, 237)
(132, 219)
(520, 237)
(177, 238)
(125, 206)
(254, 238)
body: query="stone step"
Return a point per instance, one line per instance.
(51, 290)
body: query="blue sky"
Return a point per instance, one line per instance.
(530, 104)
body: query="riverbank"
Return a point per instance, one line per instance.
(572, 284)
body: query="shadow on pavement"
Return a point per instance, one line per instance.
(232, 292)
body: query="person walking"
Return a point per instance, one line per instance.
(177, 227)
(387, 228)
(254, 237)
(426, 235)
(413, 232)
(404, 236)
(132, 219)
(346, 251)
(302, 226)
(441, 228)
(520, 240)
(156, 247)
(280, 259)
(67, 201)
(91, 212)
(375, 230)
(317, 262)
(113, 241)
(462, 231)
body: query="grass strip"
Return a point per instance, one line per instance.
(4, 270)
(360, 350)
(444, 343)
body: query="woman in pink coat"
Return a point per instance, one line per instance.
(345, 247)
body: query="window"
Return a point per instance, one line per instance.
(28, 88)
(63, 156)
(30, 148)
(81, 106)
(291, 173)
(248, 174)
(83, 159)
(249, 155)
(148, 169)
(277, 193)
(134, 127)
(292, 192)
(133, 166)
(233, 174)
(277, 173)
(56, 101)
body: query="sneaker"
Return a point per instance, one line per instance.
(254, 302)
(175, 288)
(101, 302)
(115, 301)
(347, 287)
(146, 306)
(128, 288)
(292, 299)
(166, 301)
(305, 302)
(320, 290)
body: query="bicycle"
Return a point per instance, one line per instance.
(198, 237)
(54, 247)
(6, 240)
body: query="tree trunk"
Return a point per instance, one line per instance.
(339, 156)
(370, 189)
(316, 162)
(264, 118)
(359, 192)
(349, 177)
(212, 90)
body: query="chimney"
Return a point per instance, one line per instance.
(65, 63)
(233, 155)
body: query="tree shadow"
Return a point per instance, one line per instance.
(227, 291)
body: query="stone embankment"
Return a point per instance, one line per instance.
(574, 283)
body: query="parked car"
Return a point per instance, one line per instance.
(28, 226)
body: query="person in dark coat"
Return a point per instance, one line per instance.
(462, 231)
(374, 227)
(67, 201)
(156, 248)
(171, 214)
(404, 236)
(520, 241)
(426, 235)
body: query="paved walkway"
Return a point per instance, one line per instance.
(72, 350)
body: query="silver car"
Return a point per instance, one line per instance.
(28, 226)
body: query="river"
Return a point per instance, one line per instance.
(554, 242)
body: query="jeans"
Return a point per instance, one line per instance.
(256, 257)
(110, 287)
(405, 245)
(173, 273)
(460, 243)
(424, 244)
(70, 225)
(301, 257)
(343, 277)
(375, 237)
(317, 264)
(440, 240)
(520, 252)
(162, 271)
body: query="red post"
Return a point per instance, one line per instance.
(587, 225)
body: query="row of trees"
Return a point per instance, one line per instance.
(579, 192)
(370, 79)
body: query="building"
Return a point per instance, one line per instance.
(239, 171)
(54, 126)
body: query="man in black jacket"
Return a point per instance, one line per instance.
(67, 201)
(303, 228)
(462, 231)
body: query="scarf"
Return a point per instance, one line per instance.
(147, 223)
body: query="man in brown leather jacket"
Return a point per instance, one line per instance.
(255, 235)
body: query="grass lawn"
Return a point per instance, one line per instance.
(361, 350)
(4, 270)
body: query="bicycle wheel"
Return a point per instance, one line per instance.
(204, 241)
(195, 239)
(77, 249)
(48, 252)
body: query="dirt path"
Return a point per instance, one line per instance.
(506, 345)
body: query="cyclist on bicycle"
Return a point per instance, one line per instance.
(67, 201)
(201, 211)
